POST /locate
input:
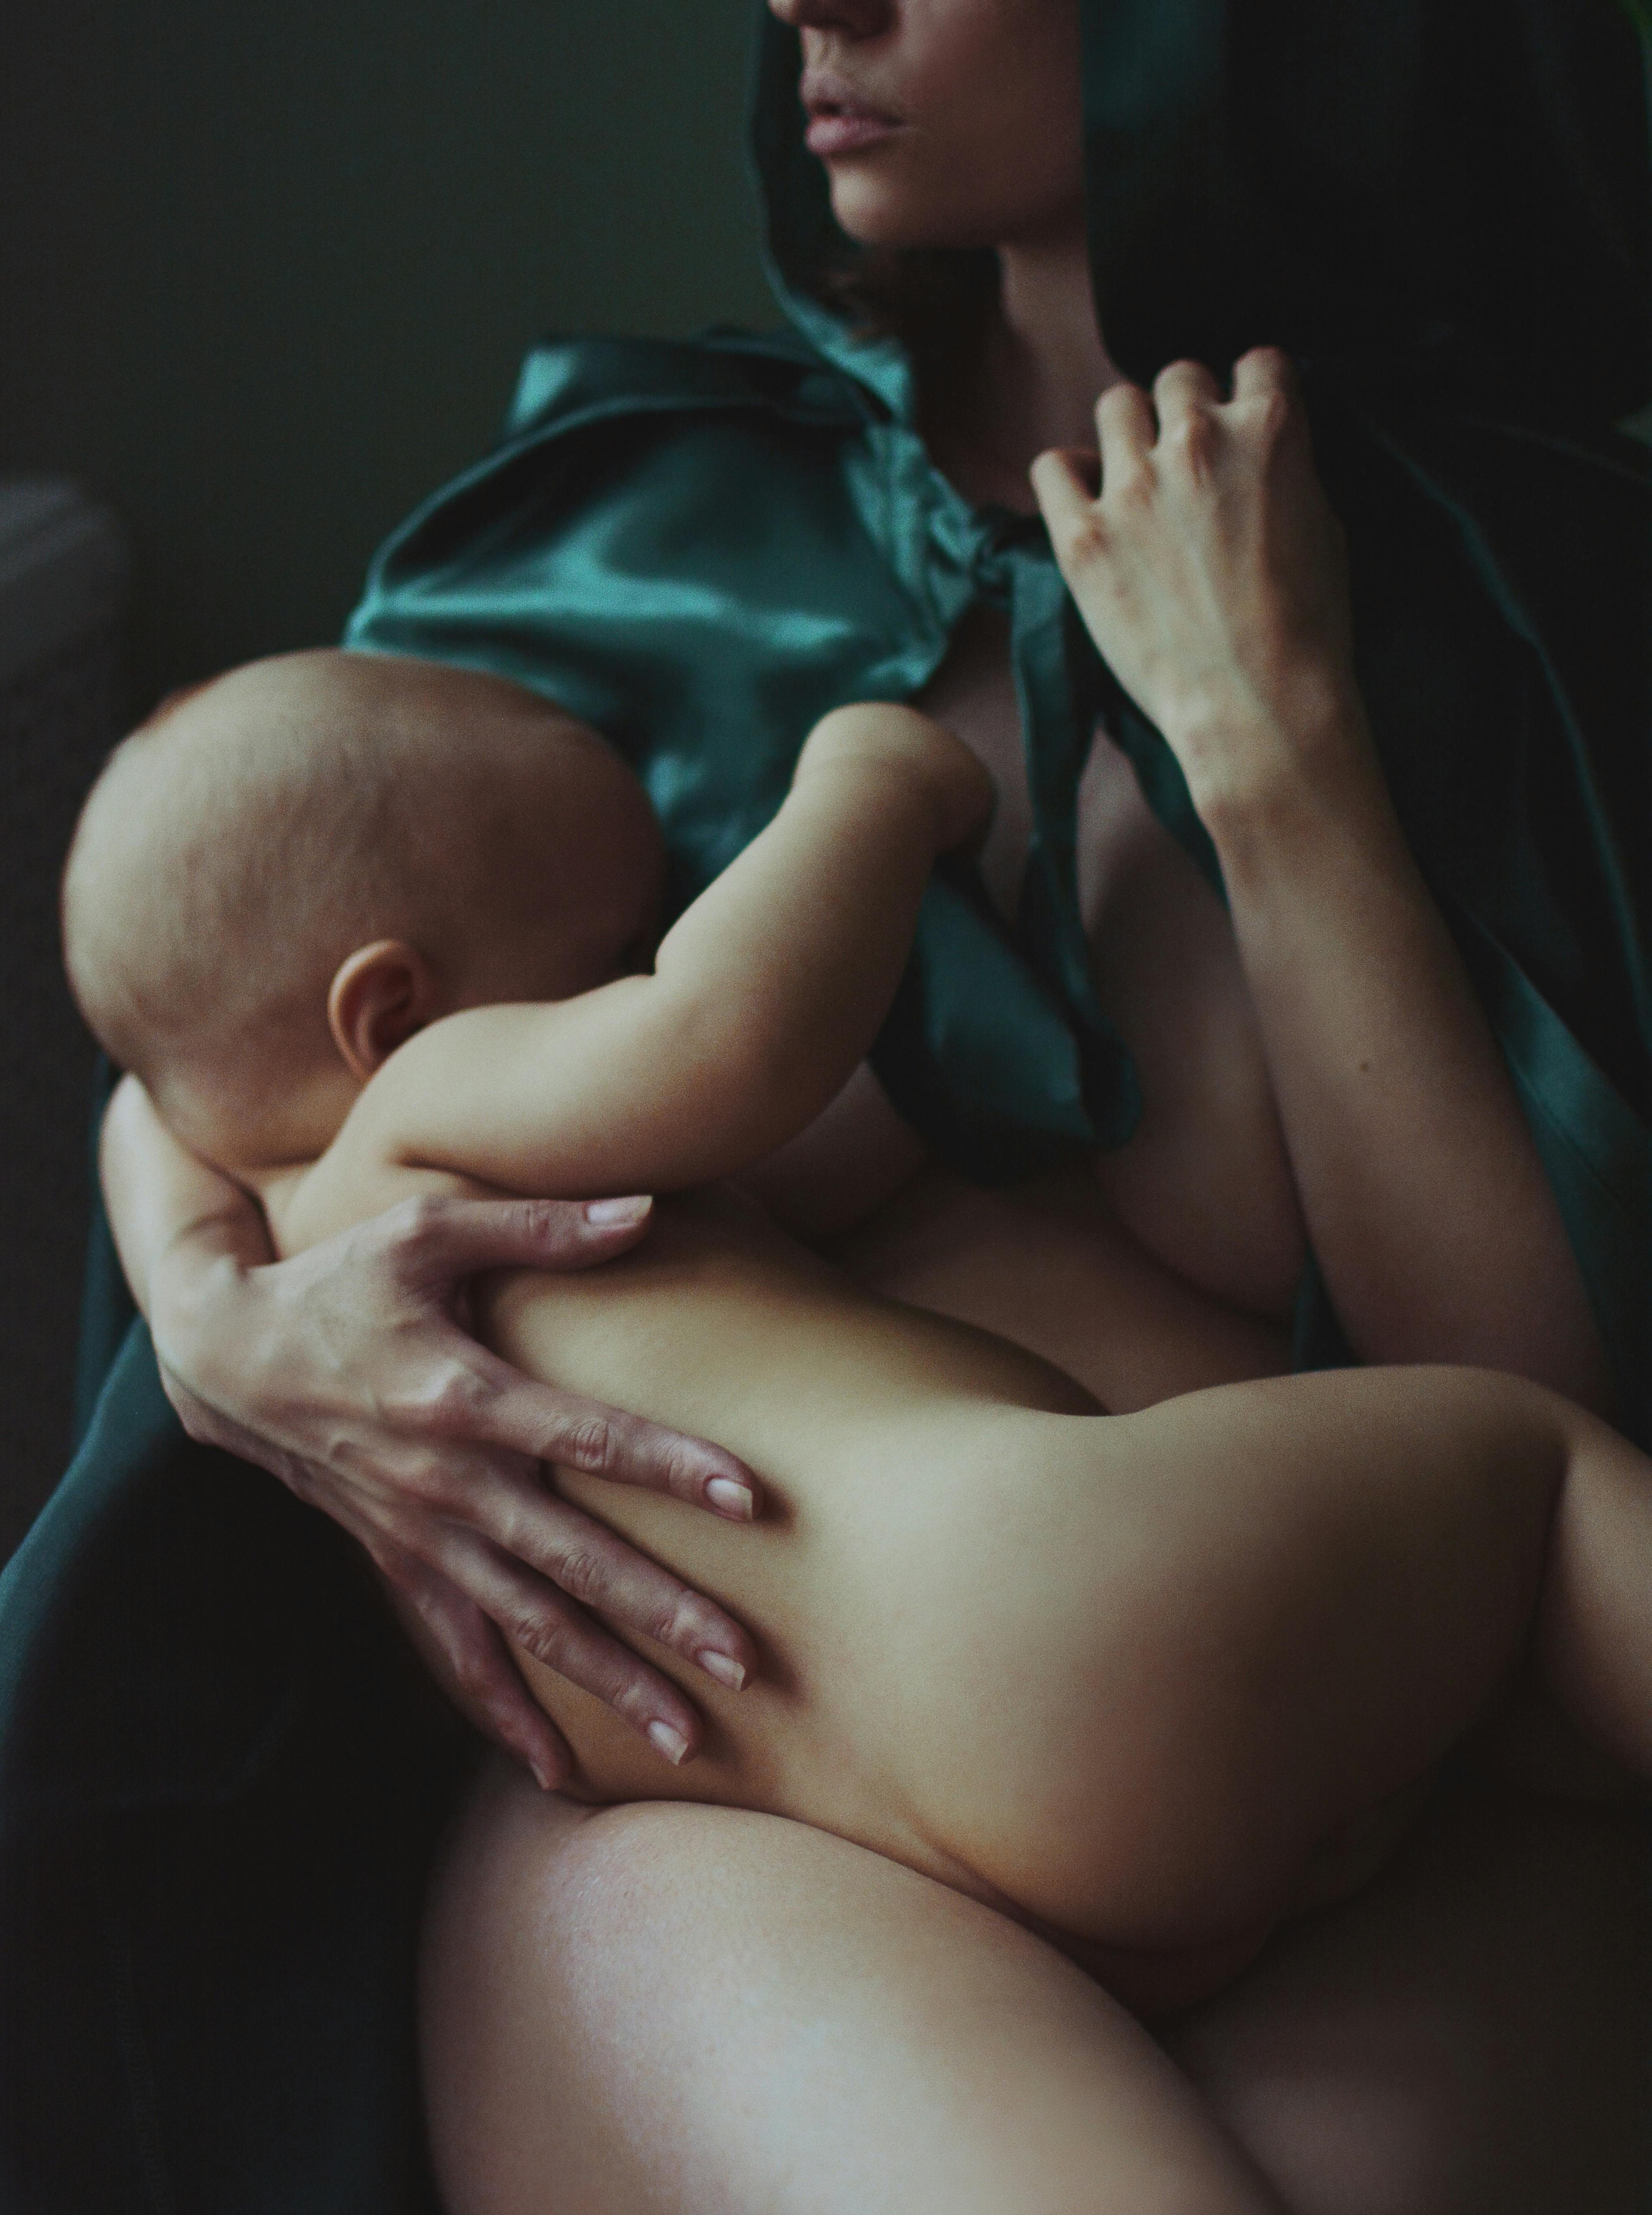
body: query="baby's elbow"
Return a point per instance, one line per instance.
(746, 1086)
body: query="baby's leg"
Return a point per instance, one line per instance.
(1257, 1612)
(672, 2011)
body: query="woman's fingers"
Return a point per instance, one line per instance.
(584, 1560)
(579, 1434)
(549, 1622)
(446, 1498)
(369, 1401)
(434, 1241)
(438, 1243)
(1063, 482)
(465, 1534)
(1183, 385)
(1126, 426)
(1209, 571)
(484, 1678)
(475, 1398)
(1264, 370)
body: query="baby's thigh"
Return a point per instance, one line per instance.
(1204, 1642)
(672, 2009)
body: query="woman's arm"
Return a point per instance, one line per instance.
(1437, 1232)
(1210, 571)
(348, 1373)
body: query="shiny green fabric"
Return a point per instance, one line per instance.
(829, 563)
(214, 1818)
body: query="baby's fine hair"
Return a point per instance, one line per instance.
(255, 831)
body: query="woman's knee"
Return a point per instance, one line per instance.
(559, 1966)
(677, 2008)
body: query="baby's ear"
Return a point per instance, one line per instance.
(381, 996)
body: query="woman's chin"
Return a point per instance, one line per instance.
(871, 211)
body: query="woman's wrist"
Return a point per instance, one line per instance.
(194, 1283)
(1424, 1198)
(172, 1215)
(1285, 798)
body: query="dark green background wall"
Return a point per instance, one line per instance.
(266, 270)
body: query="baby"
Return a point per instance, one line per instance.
(367, 927)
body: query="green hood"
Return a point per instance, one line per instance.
(1456, 192)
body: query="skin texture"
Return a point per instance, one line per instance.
(1310, 2066)
(1209, 569)
(664, 2008)
(982, 106)
(1366, 1572)
(836, 2035)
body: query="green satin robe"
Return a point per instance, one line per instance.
(214, 1818)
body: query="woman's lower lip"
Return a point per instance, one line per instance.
(846, 134)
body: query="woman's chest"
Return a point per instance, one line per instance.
(1205, 1182)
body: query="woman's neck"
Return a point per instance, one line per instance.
(1033, 382)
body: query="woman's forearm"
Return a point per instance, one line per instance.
(1436, 1228)
(345, 1373)
(1212, 576)
(167, 1207)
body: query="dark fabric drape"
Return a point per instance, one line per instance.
(219, 1776)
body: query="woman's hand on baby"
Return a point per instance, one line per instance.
(347, 1372)
(1212, 575)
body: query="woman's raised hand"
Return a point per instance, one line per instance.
(348, 1371)
(1210, 572)
(1212, 576)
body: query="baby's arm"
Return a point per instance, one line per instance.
(766, 995)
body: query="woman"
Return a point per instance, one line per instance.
(954, 123)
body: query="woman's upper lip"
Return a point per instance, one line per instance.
(823, 92)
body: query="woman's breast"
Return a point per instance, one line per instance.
(1049, 1266)
(1205, 1183)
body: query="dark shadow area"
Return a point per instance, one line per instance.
(267, 275)
(269, 271)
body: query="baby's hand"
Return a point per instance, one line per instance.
(1210, 572)
(918, 749)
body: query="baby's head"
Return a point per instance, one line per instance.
(287, 871)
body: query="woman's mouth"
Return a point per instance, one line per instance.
(839, 120)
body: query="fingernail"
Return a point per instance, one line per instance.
(723, 1667)
(729, 1498)
(604, 1213)
(542, 1777)
(671, 1743)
